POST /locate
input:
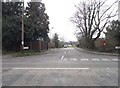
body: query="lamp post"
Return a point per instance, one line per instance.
(50, 32)
(22, 34)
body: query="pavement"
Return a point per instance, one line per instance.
(61, 67)
(94, 52)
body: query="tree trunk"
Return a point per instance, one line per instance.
(90, 43)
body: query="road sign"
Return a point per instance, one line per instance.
(104, 43)
(25, 48)
(117, 47)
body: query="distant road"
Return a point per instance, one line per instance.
(61, 67)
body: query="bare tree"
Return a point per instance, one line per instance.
(91, 18)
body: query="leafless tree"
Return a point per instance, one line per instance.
(92, 17)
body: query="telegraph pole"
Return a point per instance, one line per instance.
(22, 34)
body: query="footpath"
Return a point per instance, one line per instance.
(94, 52)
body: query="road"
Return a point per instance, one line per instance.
(61, 67)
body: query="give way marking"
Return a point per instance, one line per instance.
(51, 68)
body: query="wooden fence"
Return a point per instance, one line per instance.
(38, 45)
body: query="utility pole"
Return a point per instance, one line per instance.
(119, 10)
(22, 34)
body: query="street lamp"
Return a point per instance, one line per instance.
(50, 32)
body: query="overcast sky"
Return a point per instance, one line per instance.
(60, 12)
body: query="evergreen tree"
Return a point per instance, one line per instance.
(0, 14)
(113, 35)
(56, 40)
(36, 24)
(11, 25)
(37, 21)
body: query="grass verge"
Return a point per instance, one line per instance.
(21, 53)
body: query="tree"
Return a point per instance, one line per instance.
(11, 25)
(56, 40)
(91, 18)
(36, 24)
(113, 35)
(36, 21)
(0, 25)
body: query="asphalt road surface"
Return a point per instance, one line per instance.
(60, 67)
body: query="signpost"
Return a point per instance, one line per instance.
(103, 44)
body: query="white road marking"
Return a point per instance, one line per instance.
(65, 52)
(48, 54)
(105, 59)
(108, 75)
(96, 59)
(115, 59)
(50, 68)
(74, 59)
(84, 59)
(108, 68)
(62, 57)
